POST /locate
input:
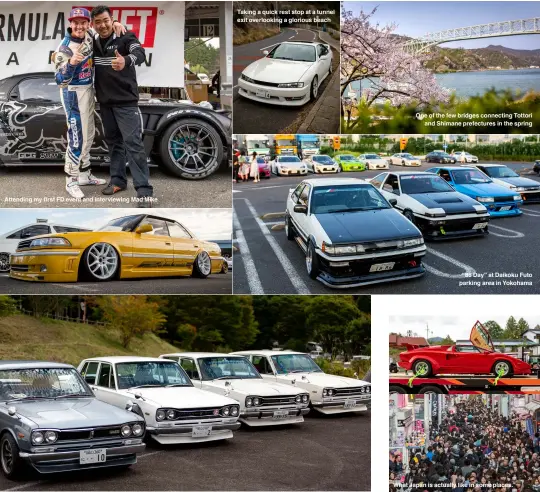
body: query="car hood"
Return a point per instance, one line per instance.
(486, 189)
(376, 161)
(180, 397)
(277, 71)
(322, 379)
(73, 413)
(370, 225)
(290, 164)
(450, 201)
(520, 182)
(258, 387)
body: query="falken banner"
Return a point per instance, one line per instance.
(31, 31)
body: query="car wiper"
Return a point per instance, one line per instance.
(356, 209)
(147, 386)
(79, 395)
(283, 58)
(38, 99)
(30, 398)
(229, 377)
(177, 385)
(296, 371)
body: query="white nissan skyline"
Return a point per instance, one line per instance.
(289, 75)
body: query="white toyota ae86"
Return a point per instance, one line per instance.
(289, 75)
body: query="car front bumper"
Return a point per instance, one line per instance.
(264, 173)
(46, 265)
(291, 172)
(530, 196)
(183, 433)
(497, 209)
(413, 163)
(63, 461)
(274, 95)
(259, 417)
(378, 166)
(325, 169)
(363, 404)
(353, 167)
(453, 227)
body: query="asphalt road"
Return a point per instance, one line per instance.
(214, 284)
(254, 117)
(270, 264)
(323, 453)
(45, 187)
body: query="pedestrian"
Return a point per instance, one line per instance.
(118, 95)
(236, 168)
(244, 166)
(254, 168)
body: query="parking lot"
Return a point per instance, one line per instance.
(267, 263)
(214, 284)
(323, 453)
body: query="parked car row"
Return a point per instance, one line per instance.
(56, 418)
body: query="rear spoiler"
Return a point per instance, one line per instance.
(410, 346)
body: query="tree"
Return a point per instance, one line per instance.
(132, 316)
(8, 306)
(511, 331)
(197, 52)
(522, 327)
(447, 340)
(358, 336)
(494, 329)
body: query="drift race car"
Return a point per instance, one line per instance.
(188, 140)
(478, 357)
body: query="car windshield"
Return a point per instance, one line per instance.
(227, 368)
(500, 172)
(346, 198)
(260, 160)
(469, 176)
(322, 158)
(43, 383)
(406, 156)
(283, 143)
(288, 159)
(421, 183)
(291, 363)
(310, 145)
(293, 51)
(148, 373)
(121, 224)
(347, 157)
(371, 156)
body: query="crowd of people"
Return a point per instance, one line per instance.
(245, 167)
(474, 449)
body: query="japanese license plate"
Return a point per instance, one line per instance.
(261, 93)
(349, 404)
(502, 209)
(88, 456)
(280, 414)
(201, 431)
(480, 225)
(381, 267)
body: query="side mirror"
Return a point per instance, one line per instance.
(144, 228)
(392, 202)
(300, 209)
(265, 52)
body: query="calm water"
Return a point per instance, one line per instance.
(467, 84)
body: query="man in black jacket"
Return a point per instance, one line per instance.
(118, 95)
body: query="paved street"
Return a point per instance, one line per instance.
(271, 264)
(323, 453)
(254, 117)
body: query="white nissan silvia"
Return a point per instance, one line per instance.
(289, 75)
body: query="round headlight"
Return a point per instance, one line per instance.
(137, 429)
(171, 414)
(298, 399)
(125, 430)
(160, 415)
(324, 392)
(249, 402)
(368, 389)
(51, 436)
(256, 401)
(330, 392)
(362, 389)
(226, 411)
(305, 398)
(37, 438)
(234, 411)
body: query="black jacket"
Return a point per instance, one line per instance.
(117, 88)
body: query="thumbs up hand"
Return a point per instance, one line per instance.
(119, 62)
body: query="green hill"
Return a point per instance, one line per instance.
(26, 337)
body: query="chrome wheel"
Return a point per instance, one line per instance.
(502, 368)
(102, 260)
(193, 147)
(204, 263)
(7, 457)
(315, 87)
(309, 260)
(421, 368)
(4, 262)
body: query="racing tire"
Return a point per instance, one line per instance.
(397, 389)
(101, 262)
(403, 163)
(202, 266)
(224, 267)
(431, 389)
(289, 231)
(504, 366)
(422, 364)
(10, 461)
(314, 89)
(199, 161)
(330, 70)
(312, 262)
(409, 215)
(4, 263)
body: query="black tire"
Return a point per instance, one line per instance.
(400, 390)
(4, 262)
(86, 263)
(312, 266)
(420, 363)
(314, 89)
(499, 364)
(199, 270)
(188, 169)
(224, 267)
(289, 231)
(408, 213)
(431, 389)
(12, 464)
(330, 70)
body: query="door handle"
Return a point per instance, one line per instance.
(168, 244)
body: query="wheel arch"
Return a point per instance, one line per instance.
(435, 366)
(80, 268)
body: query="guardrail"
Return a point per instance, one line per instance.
(62, 318)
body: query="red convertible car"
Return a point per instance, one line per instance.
(478, 358)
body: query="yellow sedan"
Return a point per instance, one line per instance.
(127, 247)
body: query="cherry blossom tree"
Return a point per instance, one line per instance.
(373, 54)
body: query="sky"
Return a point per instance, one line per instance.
(433, 311)
(415, 19)
(207, 224)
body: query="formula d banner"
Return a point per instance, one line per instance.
(31, 31)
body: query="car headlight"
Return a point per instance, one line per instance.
(517, 197)
(305, 398)
(137, 430)
(125, 430)
(407, 243)
(247, 79)
(486, 199)
(226, 411)
(345, 250)
(324, 392)
(171, 414)
(298, 399)
(234, 411)
(520, 188)
(50, 437)
(257, 401)
(49, 241)
(160, 415)
(368, 388)
(330, 392)
(38, 437)
(291, 85)
(249, 402)
(435, 214)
